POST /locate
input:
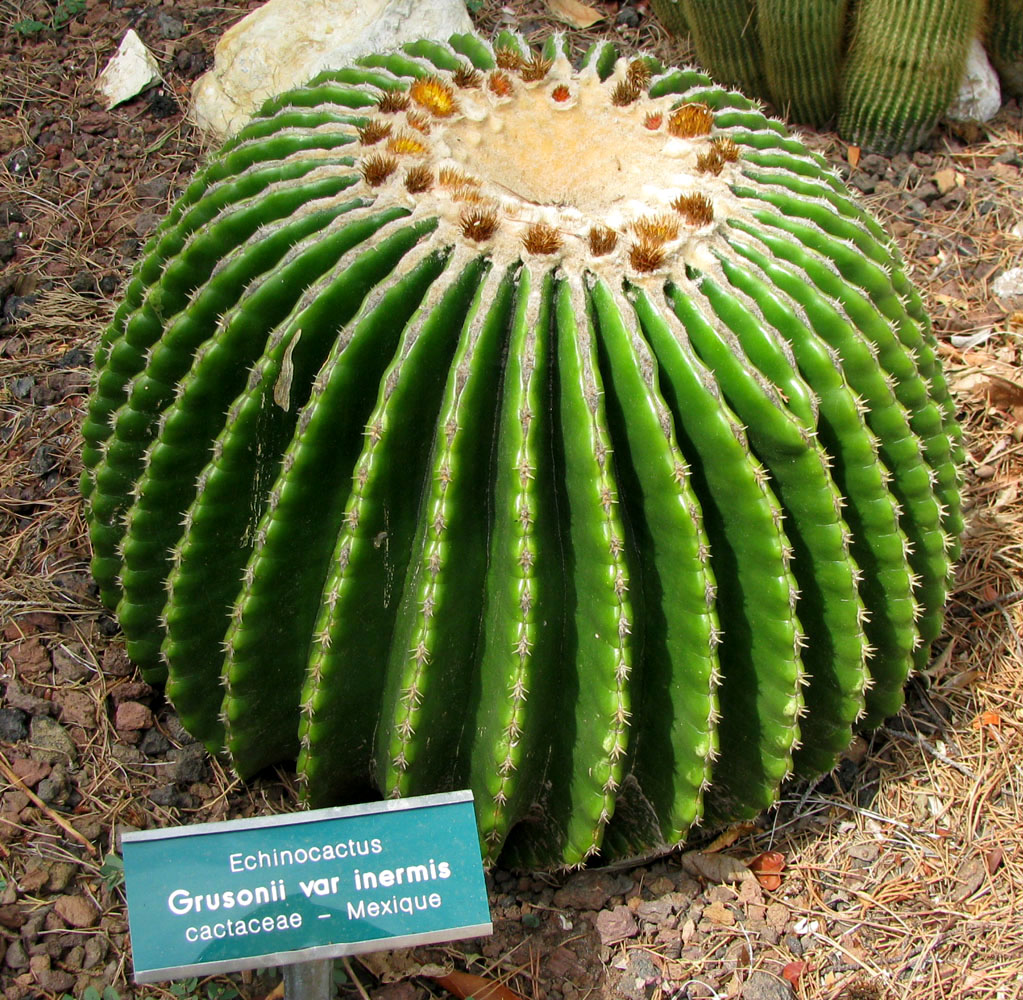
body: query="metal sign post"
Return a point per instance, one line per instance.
(309, 980)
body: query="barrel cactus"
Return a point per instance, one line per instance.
(570, 435)
(887, 69)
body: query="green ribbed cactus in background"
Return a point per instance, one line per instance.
(671, 15)
(725, 37)
(1004, 42)
(803, 42)
(886, 69)
(569, 435)
(906, 62)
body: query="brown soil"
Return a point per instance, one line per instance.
(904, 868)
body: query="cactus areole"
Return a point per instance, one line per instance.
(570, 435)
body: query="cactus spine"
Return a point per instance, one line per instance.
(569, 435)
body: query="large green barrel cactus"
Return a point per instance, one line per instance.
(572, 436)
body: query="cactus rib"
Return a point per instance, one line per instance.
(674, 689)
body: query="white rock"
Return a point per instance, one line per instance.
(1008, 283)
(285, 43)
(132, 69)
(979, 96)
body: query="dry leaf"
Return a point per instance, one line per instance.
(718, 913)
(952, 301)
(988, 718)
(853, 156)
(961, 680)
(1005, 393)
(465, 984)
(993, 860)
(767, 867)
(574, 13)
(971, 877)
(793, 971)
(728, 837)
(713, 867)
(944, 180)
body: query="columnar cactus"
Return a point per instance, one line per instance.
(572, 436)
(887, 69)
(803, 44)
(671, 15)
(726, 37)
(905, 65)
(1004, 40)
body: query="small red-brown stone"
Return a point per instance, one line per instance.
(131, 715)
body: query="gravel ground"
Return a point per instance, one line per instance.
(902, 870)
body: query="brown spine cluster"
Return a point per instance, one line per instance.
(690, 120)
(467, 77)
(535, 68)
(541, 238)
(709, 163)
(638, 73)
(454, 178)
(393, 101)
(478, 224)
(500, 83)
(508, 58)
(656, 229)
(406, 144)
(625, 92)
(696, 209)
(602, 240)
(419, 120)
(722, 151)
(377, 168)
(418, 179)
(373, 131)
(726, 148)
(468, 193)
(653, 120)
(646, 256)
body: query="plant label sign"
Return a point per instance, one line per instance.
(219, 897)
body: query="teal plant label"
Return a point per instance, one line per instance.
(219, 897)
